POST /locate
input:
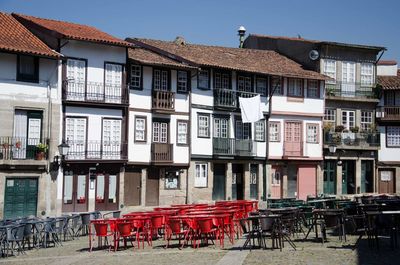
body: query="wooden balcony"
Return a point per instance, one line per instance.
(163, 101)
(390, 113)
(292, 149)
(350, 140)
(229, 99)
(234, 147)
(162, 153)
(97, 150)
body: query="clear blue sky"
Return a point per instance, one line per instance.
(374, 22)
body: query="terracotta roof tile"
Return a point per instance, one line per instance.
(247, 60)
(14, 37)
(390, 82)
(74, 31)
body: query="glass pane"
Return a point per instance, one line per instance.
(68, 188)
(81, 189)
(112, 189)
(100, 188)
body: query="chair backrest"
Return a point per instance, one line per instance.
(101, 228)
(175, 225)
(28, 230)
(124, 228)
(17, 233)
(157, 221)
(205, 225)
(266, 223)
(85, 218)
(331, 220)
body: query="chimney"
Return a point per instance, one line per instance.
(241, 33)
(180, 40)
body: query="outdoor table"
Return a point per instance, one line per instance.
(253, 231)
(395, 217)
(322, 201)
(318, 214)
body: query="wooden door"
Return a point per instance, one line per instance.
(348, 79)
(132, 188)
(106, 192)
(152, 187)
(75, 193)
(307, 181)
(218, 192)
(387, 181)
(293, 135)
(330, 177)
(20, 198)
(276, 180)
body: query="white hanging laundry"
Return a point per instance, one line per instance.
(251, 109)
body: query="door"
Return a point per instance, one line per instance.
(152, 187)
(218, 192)
(348, 119)
(243, 143)
(111, 144)
(293, 135)
(27, 133)
(348, 177)
(20, 198)
(221, 132)
(276, 180)
(113, 81)
(237, 182)
(367, 176)
(75, 194)
(387, 181)
(348, 79)
(76, 80)
(292, 181)
(307, 181)
(75, 133)
(106, 192)
(253, 181)
(330, 177)
(132, 188)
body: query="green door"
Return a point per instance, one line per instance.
(253, 181)
(20, 197)
(330, 177)
(348, 177)
(366, 176)
(218, 192)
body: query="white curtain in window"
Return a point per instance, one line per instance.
(113, 80)
(100, 187)
(20, 133)
(81, 190)
(67, 188)
(112, 188)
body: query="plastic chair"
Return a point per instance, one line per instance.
(157, 223)
(175, 227)
(101, 231)
(206, 230)
(124, 231)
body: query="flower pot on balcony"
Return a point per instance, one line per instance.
(40, 155)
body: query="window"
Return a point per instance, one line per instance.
(222, 80)
(200, 180)
(261, 86)
(75, 132)
(366, 120)
(330, 115)
(182, 85)
(276, 85)
(203, 125)
(274, 131)
(244, 83)
(182, 132)
(28, 68)
(160, 80)
(312, 133)
(393, 136)
(136, 77)
(367, 74)
(203, 79)
(348, 73)
(111, 144)
(27, 133)
(330, 70)
(242, 130)
(259, 128)
(160, 132)
(221, 127)
(295, 87)
(313, 88)
(140, 129)
(276, 178)
(348, 119)
(172, 180)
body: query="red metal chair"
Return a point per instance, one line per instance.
(101, 231)
(175, 227)
(124, 231)
(206, 230)
(141, 228)
(157, 223)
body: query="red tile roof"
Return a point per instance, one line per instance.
(14, 37)
(390, 82)
(387, 62)
(73, 31)
(247, 60)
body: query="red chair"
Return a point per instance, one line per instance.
(206, 230)
(141, 228)
(101, 231)
(157, 223)
(125, 232)
(175, 227)
(218, 223)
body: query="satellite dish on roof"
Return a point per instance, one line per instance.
(314, 55)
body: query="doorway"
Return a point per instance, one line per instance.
(218, 192)
(75, 194)
(20, 198)
(237, 182)
(106, 192)
(387, 181)
(292, 181)
(348, 177)
(330, 177)
(367, 176)
(152, 187)
(132, 188)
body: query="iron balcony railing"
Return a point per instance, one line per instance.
(350, 90)
(348, 139)
(163, 100)
(389, 113)
(162, 152)
(22, 148)
(226, 98)
(234, 147)
(97, 150)
(95, 92)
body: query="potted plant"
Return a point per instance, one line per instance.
(81, 199)
(41, 151)
(18, 144)
(339, 128)
(355, 129)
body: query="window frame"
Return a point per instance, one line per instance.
(178, 177)
(316, 133)
(334, 115)
(200, 164)
(278, 123)
(188, 82)
(262, 122)
(140, 87)
(386, 136)
(221, 72)
(28, 78)
(145, 129)
(318, 95)
(187, 132)
(365, 117)
(371, 75)
(328, 72)
(160, 121)
(198, 125)
(271, 85)
(266, 92)
(220, 119)
(168, 79)
(244, 76)
(301, 88)
(208, 81)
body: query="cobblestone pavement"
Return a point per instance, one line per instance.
(309, 252)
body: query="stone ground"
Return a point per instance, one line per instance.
(308, 252)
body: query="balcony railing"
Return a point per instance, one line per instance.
(226, 98)
(95, 92)
(161, 152)
(163, 101)
(97, 150)
(350, 139)
(21, 148)
(391, 113)
(350, 90)
(234, 147)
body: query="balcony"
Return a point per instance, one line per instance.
(391, 113)
(162, 153)
(22, 151)
(292, 149)
(350, 91)
(163, 101)
(97, 150)
(350, 140)
(229, 99)
(234, 147)
(94, 92)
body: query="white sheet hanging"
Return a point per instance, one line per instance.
(251, 109)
